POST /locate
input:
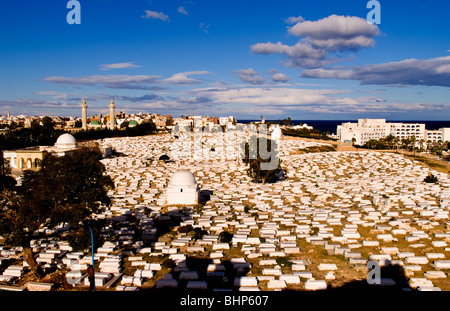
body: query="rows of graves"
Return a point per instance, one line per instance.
(318, 228)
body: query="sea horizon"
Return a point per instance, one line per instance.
(331, 125)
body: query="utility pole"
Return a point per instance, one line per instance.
(91, 270)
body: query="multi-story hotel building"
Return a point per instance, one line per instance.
(367, 129)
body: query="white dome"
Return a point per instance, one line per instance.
(276, 133)
(182, 178)
(66, 141)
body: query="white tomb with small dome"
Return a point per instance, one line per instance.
(182, 189)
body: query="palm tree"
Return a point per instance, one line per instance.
(440, 146)
(389, 140)
(413, 143)
(405, 143)
(422, 142)
(396, 142)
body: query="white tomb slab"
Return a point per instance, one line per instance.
(442, 264)
(315, 285)
(276, 284)
(327, 267)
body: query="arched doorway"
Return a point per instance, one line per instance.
(21, 163)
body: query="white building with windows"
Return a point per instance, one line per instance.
(363, 131)
(445, 134)
(183, 124)
(434, 136)
(230, 120)
(367, 129)
(407, 130)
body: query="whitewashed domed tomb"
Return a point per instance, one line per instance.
(182, 189)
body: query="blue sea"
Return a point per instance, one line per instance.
(331, 125)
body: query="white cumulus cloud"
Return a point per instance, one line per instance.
(250, 76)
(337, 32)
(430, 72)
(156, 15)
(280, 77)
(320, 40)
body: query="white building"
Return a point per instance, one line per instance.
(227, 120)
(407, 130)
(445, 134)
(276, 133)
(301, 127)
(183, 124)
(30, 158)
(367, 129)
(434, 136)
(182, 189)
(363, 131)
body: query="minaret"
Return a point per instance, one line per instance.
(112, 115)
(84, 115)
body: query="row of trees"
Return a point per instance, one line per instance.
(392, 142)
(307, 133)
(145, 128)
(41, 135)
(46, 134)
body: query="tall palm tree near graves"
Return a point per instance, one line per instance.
(413, 143)
(405, 143)
(422, 143)
(391, 141)
(65, 190)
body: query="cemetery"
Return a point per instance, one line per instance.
(315, 229)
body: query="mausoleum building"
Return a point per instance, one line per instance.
(182, 189)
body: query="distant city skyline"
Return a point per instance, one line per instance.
(297, 59)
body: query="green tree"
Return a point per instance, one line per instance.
(7, 182)
(225, 237)
(390, 141)
(66, 189)
(287, 121)
(431, 179)
(124, 124)
(47, 123)
(254, 160)
(164, 157)
(413, 140)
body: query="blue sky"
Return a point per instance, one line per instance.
(298, 59)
